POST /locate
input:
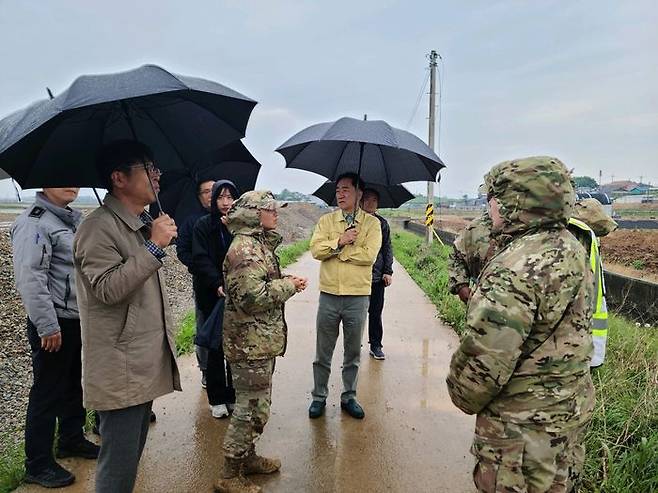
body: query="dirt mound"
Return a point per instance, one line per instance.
(633, 248)
(453, 224)
(296, 221)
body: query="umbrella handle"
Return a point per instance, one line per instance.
(124, 107)
(358, 179)
(97, 196)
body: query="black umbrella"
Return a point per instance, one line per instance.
(178, 189)
(389, 196)
(55, 142)
(374, 150)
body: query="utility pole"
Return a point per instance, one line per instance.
(429, 210)
(600, 178)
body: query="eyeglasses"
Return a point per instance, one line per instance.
(205, 192)
(150, 168)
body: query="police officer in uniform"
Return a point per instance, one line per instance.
(42, 239)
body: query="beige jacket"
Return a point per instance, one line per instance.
(127, 332)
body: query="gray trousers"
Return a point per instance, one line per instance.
(332, 310)
(123, 435)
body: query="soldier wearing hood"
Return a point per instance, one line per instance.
(210, 242)
(523, 365)
(255, 332)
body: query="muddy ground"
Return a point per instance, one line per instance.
(295, 223)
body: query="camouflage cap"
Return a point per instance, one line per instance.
(243, 216)
(591, 212)
(259, 199)
(532, 192)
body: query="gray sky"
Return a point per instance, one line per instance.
(574, 79)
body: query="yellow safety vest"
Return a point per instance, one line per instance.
(600, 316)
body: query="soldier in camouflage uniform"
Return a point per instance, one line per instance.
(255, 332)
(523, 365)
(472, 248)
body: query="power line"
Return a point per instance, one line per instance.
(418, 99)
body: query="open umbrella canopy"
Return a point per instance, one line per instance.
(376, 151)
(55, 142)
(178, 189)
(390, 197)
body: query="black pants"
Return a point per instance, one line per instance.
(219, 382)
(375, 327)
(56, 394)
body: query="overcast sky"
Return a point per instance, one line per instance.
(574, 79)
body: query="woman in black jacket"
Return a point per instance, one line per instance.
(210, 242)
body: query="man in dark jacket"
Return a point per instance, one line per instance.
(210, 242)
(184, 254)
(382, 276)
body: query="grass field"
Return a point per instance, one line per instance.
(622, 441)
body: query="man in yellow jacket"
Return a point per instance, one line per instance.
(346, 242)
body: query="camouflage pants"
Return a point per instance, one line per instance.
(252, 381)
(517, 459)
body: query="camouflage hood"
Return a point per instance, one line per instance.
(242, 218)
(532, 193)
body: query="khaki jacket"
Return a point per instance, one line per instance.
(348, 270)
(127, 332)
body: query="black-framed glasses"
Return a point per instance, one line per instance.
(150, 168)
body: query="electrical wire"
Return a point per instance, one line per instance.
(418, 99)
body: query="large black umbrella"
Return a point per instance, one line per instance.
(373, 149)
(55, 142)
(178, 189)
(389, 196)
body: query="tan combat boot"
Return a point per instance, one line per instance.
(233, 480)
(255, 464)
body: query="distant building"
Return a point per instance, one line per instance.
(625, 187)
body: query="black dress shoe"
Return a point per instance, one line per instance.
(54, 476)
(316, 409)
(353, 409)
(83, 448)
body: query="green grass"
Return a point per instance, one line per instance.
(428, 266)
(622, 441)
(288, 254)
(12, 469)
(185, 335)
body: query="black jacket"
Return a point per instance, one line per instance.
(210, 242)
(184, 240)
(384, 262)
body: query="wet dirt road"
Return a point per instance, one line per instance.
(411, 440)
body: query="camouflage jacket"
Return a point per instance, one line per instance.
(254, 322)
(525, 356)
(470, 253)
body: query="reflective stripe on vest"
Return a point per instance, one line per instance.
(600, 317)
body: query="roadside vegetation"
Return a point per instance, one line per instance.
(622, 442)
(288, 254)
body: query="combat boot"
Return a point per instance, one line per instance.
(233, 480)
(255, 464)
